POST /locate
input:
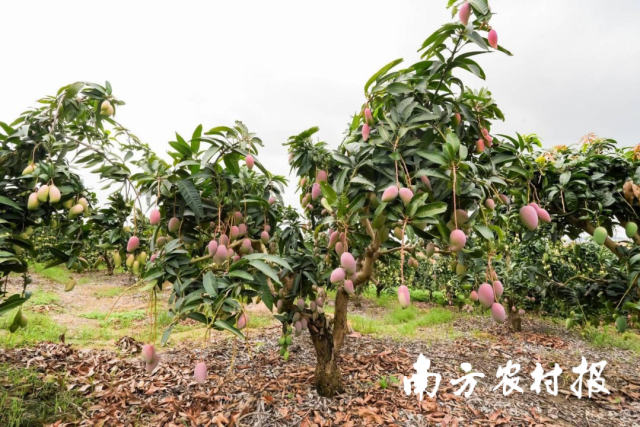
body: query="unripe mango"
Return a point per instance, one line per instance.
(464, 13)
(300, 304)
(315, 191)
(174, 225)
(529, 217)
(600, 235)
(68, 204)
(130, 259)
(286, 356)
(426, 181)
(200, 373)
(461, 269)
(136, 267)
(221, 255)
(431, 249)
(264, 236)
(117, 259)
(404, 298)
(503, 198)
(338, 275)
(212, 247)
(133, 244)
(348, 286)
(54, 194)
(389, 194)
(379, 221)
(161, 241)
(245, 247)
(148, 353)
(366, 130)
(485, 295)
(498, 288)
(493, 39)
(142, 258)
(106, 109)
(84, 203)
(76, 210)
(29, 169)
(24, 321)
(249, 161)
(490, 204)
(406, 195)
(43, 193)
(398, 233)
(368, 118)
(457, 240)
(32, 202)
(243, 321)
(348, 262)
(70, 285)
(154, 217)
(631, 229)
(498, 313)
(234, 233)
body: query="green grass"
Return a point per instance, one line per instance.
(609, 337)
(40, 297)
(56, 274)
(121, 319)
(40, 328)
(260, 320)
(31, 399)
(400, 323)
(109, 292)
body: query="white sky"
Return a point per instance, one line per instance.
(284, 66)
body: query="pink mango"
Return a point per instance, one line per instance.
(474, 296)
(348, 262)
(264, 236)
(148, 352)
(490, 204)
(465, 13)
(348, 286)
(212, 247)
(243, 321)
(498, 313)
(315, 191)
(529, 217)
(425, 180)
(366, 130)
(249, 161)
(404, 298)
(154, 217)
(389, 194)
(321, 176)
(272, 200)
(200, 373)
(498, 288)
(479, 146)
(493, 39)
(368, 118)
(485, 295)
(339, 248)
(234, 233)
(457, 240)
(406, 195)
(133, 244)
(338, 275)
(543, 215)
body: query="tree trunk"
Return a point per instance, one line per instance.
(340, 327)
(328, 378)
(109, 264)
(515, 321)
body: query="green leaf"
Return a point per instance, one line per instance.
(221, 324)
(268, 257)
(398, 88)
(166, 334)
(381, 72)
(431, 209)
(480, 5)
(328, 192)
(191, 196)
(268, 271)
(241, 275)
(484, 231)
(210, 284)
(416, 202)
(9, 202)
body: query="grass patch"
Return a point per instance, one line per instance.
(108, 292)
(55, 274)
(401, 323)
(40, 328)
(40, 297)
(31, 399)
(609, 337)
(260, 320)
(121, 319)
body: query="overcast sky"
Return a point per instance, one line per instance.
(284, 66)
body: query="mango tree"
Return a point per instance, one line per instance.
(419, 164)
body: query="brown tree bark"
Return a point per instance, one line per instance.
(328, 378)
(340, 327)
(515, 321)
(109, 264)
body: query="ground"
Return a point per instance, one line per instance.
(96, 377)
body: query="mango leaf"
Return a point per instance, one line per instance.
(382, 71)
(221, 324)
(191, 196)
(484, 231)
